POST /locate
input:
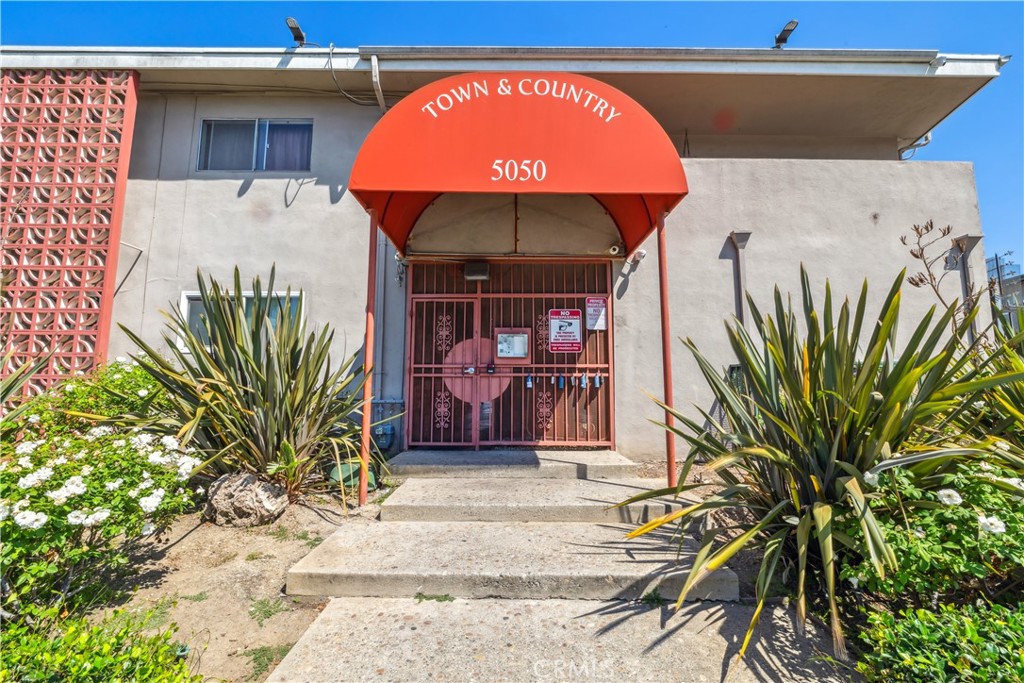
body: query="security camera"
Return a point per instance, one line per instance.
(614, 250)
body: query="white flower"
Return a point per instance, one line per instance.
(151, 502)
(27, 519)
(121, 359)
(186, 464)
(919, 532)
(158, 458)
(97, 517)
(979, 405)
(66, 443)
(25, 461)
(170, 443)
(59, 460)
(871, 478)
(59, 497)
(20, 505)
(32, 419)
(145, 484)
(854, 581)
(77, 517)
(5, 510)
(27, 448)
(146, 475)
(35, 478)
(87, 470)
(3, 465)
(114, 485)
(95, 432)
(140, 441)
(142, 393)
(985, 467)
(949, 497)
(991, 525)
(148, 529)
(69, 388)
(79, 455)
(120, 443)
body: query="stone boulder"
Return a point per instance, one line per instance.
(243, 500)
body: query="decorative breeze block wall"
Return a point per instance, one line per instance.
(63, 172)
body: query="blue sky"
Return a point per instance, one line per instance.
(988, 130)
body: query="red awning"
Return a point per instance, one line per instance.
(519, 132)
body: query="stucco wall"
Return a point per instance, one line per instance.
(181, 219)
(842, 219)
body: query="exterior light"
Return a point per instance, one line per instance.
(784, 34)
(297, 35)
(476, 271)
(638, 256)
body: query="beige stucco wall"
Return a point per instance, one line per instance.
(181, 219)
(842, 218)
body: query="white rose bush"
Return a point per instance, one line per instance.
(76, 498)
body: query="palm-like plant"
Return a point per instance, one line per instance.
(818, 412)
(255, 391)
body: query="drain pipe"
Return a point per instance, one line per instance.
(666, 353)
(368, 348)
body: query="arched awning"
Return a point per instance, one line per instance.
(519, 132)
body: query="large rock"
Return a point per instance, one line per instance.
(243, 500)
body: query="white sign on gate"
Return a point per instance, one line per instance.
(565, 330)
(597, 313)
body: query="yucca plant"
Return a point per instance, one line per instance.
(817, 416)
(255, 391)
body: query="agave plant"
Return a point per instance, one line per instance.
(817, 416)
(255, 390)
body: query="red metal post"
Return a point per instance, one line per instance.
(368, 343)
(666, 352)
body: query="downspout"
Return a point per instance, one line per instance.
(377, 90)
(666, 354)
(368, 349)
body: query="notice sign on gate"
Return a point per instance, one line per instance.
(565, 330)
(597, 313)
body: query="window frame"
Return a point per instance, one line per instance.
(257, 122)
(183, 306)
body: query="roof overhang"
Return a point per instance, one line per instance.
(891, 94)
(514, 133)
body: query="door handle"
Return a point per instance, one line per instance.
(469, 371)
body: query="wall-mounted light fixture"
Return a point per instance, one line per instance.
(784, 34)
(476, 271)
(297, 35)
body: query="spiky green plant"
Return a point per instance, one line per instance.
(817, 412)
(256, 391)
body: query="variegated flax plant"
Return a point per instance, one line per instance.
(817, 416)
(253, 389)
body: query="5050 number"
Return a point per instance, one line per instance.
(522, 170)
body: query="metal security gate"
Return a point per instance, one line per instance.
(465, 391)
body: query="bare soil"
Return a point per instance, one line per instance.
(217, 583)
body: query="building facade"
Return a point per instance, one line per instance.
(518, 316)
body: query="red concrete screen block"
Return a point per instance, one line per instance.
(63, 172)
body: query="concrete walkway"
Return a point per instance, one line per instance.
(517, 569)
(507, 641)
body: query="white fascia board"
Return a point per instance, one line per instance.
(460, 60)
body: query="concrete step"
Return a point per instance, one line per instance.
(503, 560)
(358, 640)
(524, 500)
(513, 463)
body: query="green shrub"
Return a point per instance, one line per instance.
(954, 645)
(75, 499)
(815, 413)
(256, 391)
(962, 537)
(113, 651)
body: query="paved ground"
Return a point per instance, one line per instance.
(507, 641)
